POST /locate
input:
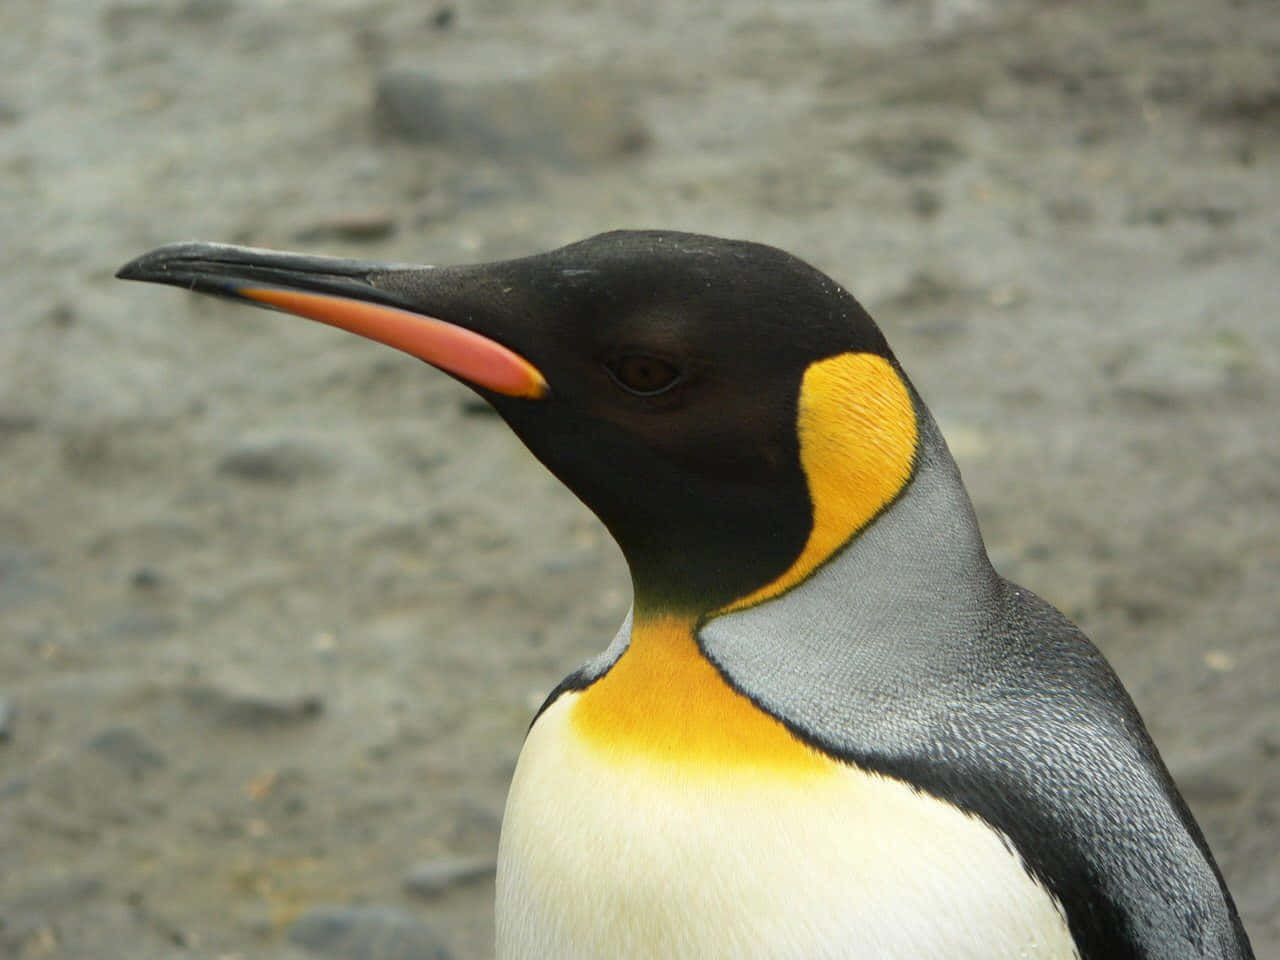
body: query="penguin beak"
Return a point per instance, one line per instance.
(344, 294)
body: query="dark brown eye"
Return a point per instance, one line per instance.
(643, 375)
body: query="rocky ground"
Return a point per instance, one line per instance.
(276, 604)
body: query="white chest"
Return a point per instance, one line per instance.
(605, 857)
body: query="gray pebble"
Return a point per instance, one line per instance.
(1217, 779)
(206, 10)
(433, 877)
(147, 579)
(280, 461)
(1170, 373)
(564, 118)
(475, 407)
(924, 289)
(1207, 789)
(136, 625)
(127, 749)
(8, 716)
(918, 153)
(925, 203)
(14, 422)
(252, 711)
(367, 933)
(353, 227)
(410, 105)
(20, 579)
(444, 16)
(32, 904)
(51, 893)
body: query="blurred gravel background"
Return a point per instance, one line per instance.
(276, 604)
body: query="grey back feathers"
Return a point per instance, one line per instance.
(908, 655)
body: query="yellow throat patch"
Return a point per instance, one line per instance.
(664, 701)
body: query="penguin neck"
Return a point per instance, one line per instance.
(916, 579)
(925, 549)
(926, 546)
(913, 579)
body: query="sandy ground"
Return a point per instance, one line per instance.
(276, 604)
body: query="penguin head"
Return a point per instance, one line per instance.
(730, 413)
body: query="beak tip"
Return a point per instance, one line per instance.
(131, 270)
(185, 264)
(154, 264)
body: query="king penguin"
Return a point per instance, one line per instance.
(827, 728)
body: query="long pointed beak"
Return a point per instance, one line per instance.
(343, 294)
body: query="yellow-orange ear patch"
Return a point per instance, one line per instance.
(858, 432)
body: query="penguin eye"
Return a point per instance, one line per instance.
(643, 375)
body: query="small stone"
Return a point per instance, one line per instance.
(136, 625)
(127, 749)
(86, 454)
(251, 711)
(62, 316)
(8, 716)
(925, 203)
(409, 105)
(1007, 295)
(281, 461)
(434, 877)
(324, 642)
(367, 933)
(924, 289)
(1208, 787)
(1070, 208)
(146, 578)
(20, 579)
(444, 17)
(1219, 661)
(475, 407)
(206, 10)
(474, 826)
(967, 443)
(17, 423)
(914, 154)
(565, 118)
(57, 891)
(360, 227)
